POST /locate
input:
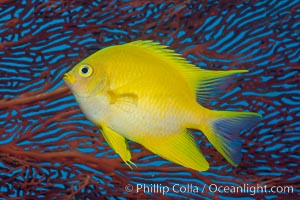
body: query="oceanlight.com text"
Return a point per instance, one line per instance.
(214, 188)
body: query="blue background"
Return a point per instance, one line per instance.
(41, 40)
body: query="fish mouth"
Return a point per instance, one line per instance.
(69, 79)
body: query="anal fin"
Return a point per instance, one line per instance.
(179, 148)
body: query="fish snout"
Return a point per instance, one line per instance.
(70, 80)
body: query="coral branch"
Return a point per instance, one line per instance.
(28, 98)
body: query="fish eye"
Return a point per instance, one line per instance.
(85, 71)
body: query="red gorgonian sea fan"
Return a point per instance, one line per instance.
(49, 150)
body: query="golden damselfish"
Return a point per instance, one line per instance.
(147, 93)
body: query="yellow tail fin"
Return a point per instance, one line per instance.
(222, 128)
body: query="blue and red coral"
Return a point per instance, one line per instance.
(49, 150)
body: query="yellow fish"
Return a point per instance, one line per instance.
(145, 92)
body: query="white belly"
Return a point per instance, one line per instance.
(95, 108)
(135, 121)
(146, 121)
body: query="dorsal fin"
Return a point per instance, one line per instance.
(204, 83)
(187, 69)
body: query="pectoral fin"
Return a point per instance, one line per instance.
(124, 101)
(118, 143)
(179, 148)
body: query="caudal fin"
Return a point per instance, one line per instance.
(223, 129)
